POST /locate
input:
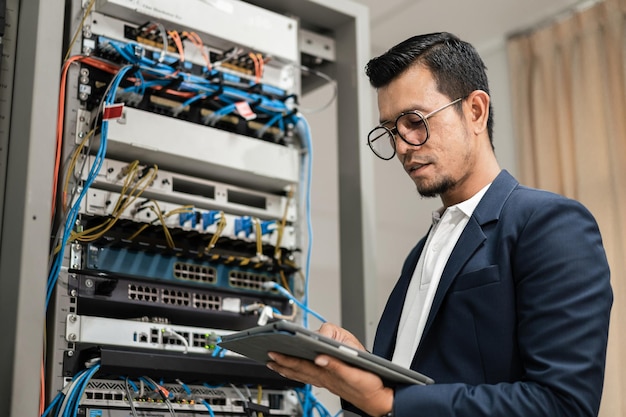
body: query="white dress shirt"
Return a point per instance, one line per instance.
(443, 236)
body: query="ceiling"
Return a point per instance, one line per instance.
(484, 23)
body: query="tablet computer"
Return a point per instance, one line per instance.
(294, 340)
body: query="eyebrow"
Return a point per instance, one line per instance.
(413, 108)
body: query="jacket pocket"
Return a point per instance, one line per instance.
(475, 279)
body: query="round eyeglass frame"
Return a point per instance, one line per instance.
(390, 133)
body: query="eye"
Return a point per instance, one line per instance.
(412, 121)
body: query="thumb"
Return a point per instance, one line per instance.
(322, 361)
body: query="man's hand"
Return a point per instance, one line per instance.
(363, 389)
(341, 335)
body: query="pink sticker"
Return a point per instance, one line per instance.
(244, 110)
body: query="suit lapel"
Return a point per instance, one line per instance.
(387, 331)
(471, 239)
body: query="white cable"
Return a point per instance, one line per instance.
(168, 331)
(329, 80)
(239, 393)
(131, 399)
(164, 40)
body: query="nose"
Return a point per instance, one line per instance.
(402, 148)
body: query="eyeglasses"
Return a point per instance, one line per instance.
(411, 126)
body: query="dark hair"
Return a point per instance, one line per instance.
(455, 65)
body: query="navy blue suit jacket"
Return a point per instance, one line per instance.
(519, 322)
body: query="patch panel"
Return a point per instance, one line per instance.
(111, 398)
(278, 73)
(188, 190)
(211, 272)
(104, 203)
(257, 28)
(203, 110)
(247, 70)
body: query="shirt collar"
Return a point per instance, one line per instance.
(466, 207)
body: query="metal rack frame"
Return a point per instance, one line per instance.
(26, 169)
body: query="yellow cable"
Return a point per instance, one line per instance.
(79, 29)
(283, 222)
(259, 398)
(86, 235)
(72, 164)
(138, 232)
(119, 209)
(182, 209)
(259, 237)
(283, 280)
(159, 213)
(178, 210)
(221, 224)
(129, 177)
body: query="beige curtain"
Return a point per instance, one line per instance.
(568, 84)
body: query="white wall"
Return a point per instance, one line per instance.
(324, 288)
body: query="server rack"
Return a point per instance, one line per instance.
(349, 27)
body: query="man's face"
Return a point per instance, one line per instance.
(441, 165)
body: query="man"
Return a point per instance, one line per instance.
(505, 303)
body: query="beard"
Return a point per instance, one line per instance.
(441, 186)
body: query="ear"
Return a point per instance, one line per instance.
(478, 102)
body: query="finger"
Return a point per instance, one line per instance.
(342, 335)
(305, 372)
(328, 330)
(287, 364)
(284, 372)
(322, 361)
(286, 360)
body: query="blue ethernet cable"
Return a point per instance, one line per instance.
(304, 131)
(93, 173)
(185, 387)
(130, 382)
(276, 286)
(71, 400)
(302, 127)
(54, 404)
(208, 406)
(276, 118)
(83, 385)
(309, 403)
